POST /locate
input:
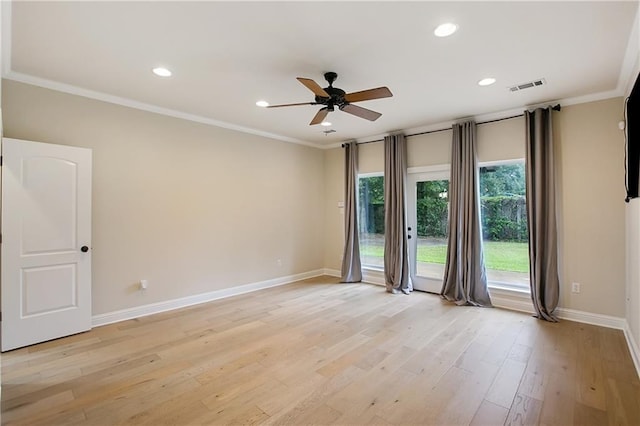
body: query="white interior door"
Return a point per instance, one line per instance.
(46, 240)
(427, 203)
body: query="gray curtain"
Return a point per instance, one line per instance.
(396, 260)
(541, 214)
(465, 277)
(351, 266)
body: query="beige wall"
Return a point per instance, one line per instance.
(502, 140)
(590, 150)
(190, 207)
(591, 194)
(371, 157)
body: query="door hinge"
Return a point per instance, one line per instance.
(0, 160)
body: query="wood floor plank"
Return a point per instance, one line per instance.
(298, 411)
(319, 352)
(46, 402)
(489, 414)
(557, 392)
(591, 388)
(623, 402)
(585, 415)
(534, 379)
(464, 404)
(524, 411)
(506, 383)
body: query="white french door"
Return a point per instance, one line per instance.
(427, 204)
(46, 241)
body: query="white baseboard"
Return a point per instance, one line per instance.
(590, 318)
(183, 302)
(511, 299)
(369, 276)
(511, 304)
(633, 347)
(373, 276)
(332, 272)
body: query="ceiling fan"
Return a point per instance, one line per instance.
(332, 97)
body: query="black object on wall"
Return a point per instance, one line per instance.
(632, 113)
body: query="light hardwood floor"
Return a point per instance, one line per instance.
(326, 353)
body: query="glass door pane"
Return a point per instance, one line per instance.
(432, 215)
(428, 205)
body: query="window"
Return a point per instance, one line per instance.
(371, 220)
(504, 225)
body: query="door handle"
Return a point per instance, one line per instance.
(84, 249)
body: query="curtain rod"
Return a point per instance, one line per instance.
(555, 108)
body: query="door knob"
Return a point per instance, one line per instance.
(84, 249)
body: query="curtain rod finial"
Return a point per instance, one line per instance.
(556, 107)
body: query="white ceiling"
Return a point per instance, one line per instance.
(227, 55)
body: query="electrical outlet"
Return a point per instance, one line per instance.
(144, 284)
(279, 262)
(575, 287)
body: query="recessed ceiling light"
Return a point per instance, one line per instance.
(445, 30)
(487, 81)
(325, 123)
(162, 72)
(262, 104)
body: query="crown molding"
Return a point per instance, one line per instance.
(92, 94)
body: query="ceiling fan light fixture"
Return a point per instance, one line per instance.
(325, 123)
(445, 30)
(162, 72)
(487, 81)
(262, 104)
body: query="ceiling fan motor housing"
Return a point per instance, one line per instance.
(336, 97)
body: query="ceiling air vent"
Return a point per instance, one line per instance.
(527, 85)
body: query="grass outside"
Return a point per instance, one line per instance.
(498, 255)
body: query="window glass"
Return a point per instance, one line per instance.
(504, 225)
(371, 220)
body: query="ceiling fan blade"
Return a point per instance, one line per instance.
(367, 114)
(319, 117)
(286, 105)
(314, 87)
(367, 95)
